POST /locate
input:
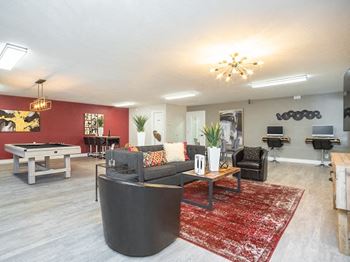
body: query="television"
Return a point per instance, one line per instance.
(326, 131)
(275, 130)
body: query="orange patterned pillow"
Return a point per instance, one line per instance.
(156, 158)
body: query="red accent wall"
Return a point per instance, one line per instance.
(63, 123)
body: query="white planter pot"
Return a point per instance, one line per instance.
(214, 158)
(100, 131)
(141, 137)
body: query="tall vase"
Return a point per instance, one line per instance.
(141, 137)
(214, 158)
(100, 131)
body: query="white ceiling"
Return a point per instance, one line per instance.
(108, 51)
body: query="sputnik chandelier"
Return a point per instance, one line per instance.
(41, 103)
(236, 65)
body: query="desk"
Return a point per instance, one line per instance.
(284, 139)
(46, 150)
(341, 198)
(333, 140)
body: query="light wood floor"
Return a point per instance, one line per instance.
(58, 219)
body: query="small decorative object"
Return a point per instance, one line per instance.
(90, 123)
(100, 122)
(41, 103)
(299, 115)
(231, 122)
(213, 133)
(19, 121)
(199, 164)
(140, 122)
(235, 65)
(157, 136)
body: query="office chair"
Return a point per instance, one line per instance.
(323, 145)
(272, 143)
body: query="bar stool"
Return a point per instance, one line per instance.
(87, 143)
(273, 143)
(323, 145)
(99, 146)
(92, 143)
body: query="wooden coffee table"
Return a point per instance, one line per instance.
(211, 178)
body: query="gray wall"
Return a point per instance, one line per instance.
(261, 113)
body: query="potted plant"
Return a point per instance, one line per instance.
(140, 122)
(100, 122)
(212, 134)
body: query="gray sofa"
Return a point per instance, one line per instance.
(168, 174)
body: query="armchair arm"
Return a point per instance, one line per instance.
(264, 164)
(192, 150)
(237, 156)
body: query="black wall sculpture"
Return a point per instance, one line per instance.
(346, 112)
(299, 115)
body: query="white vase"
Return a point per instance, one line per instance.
(100, 131)
(141, 137)
(214, 158)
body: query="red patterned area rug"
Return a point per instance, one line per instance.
(242, 226)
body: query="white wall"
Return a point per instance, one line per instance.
(174, 123)
(146, 111)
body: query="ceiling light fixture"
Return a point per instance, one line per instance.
(10, 55)
(236, 65)
(124, 104)
(180, 95)
(280, 81)
(40, 104)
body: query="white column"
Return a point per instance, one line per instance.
(31, 170)
(15, 164)
(67, 165)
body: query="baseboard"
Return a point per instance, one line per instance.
(23, 160)
(299, 161)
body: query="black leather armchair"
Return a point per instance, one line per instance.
(139, 219)
(255, 170)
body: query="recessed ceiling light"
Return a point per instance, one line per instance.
(279, 81)
(180, 95)
(10, 55)
(125, 104)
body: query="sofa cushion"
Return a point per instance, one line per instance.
(249, 164)
(174, 152)
(182, 166)
(159, 171)
(251, 153)
(156, 158)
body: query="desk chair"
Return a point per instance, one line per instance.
(323, 145)
(272, 143)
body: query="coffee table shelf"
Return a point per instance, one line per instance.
(211, 178)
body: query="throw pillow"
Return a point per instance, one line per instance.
(251, 153)
(185, 151)
(133, 149)
(155, 158)
(174, 151)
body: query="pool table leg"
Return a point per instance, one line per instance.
(15, 164)
(31, 170)
(47, 162)
(67, 165)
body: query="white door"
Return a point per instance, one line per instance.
(195, 122)
(158, 126)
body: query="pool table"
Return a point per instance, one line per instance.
(33, 151)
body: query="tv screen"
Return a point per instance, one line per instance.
(322, 131)
(275, 130)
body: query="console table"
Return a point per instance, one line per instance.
(341, 198)
(334, 140)
(284, 139)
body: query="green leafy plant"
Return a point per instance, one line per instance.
(212, 133)
(100, 122)
(140, 122)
